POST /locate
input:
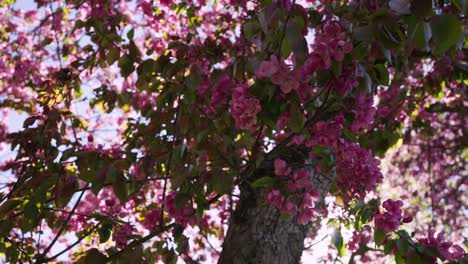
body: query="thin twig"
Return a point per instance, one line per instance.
(284, 28)
(62, 228)
(138, 242)
(75, 243)
(161, 220)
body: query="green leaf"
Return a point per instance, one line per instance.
(412, 257)
(93, 256)
(221, 181)
(130, 34)
(337, 67)
(87, 175)
(364, 33)
(170, 257)
(297, 118)
(5, 227)
(366, 214)
(113, 55)
(285, 48)
(320, 150)
(446, 32)
(120, 187)
(338, 242)
(183, 244)
(285, 216)
(387, 31)
(402, 245)
(355, 208)
(9, 205)
(12, 254)
(360, 51)
(178, 231)
(350, 135)
(66, 154)
(404, 234)
(296, 40)
(381, 74)
(134, 51)
(126, 65)
(379, 236)
(264, 18)
(251, 27)
(389, 246)
(399, 258)
(105, 232)
(193, 80)
(31, 214)
(98, 181)
(263, 182)
(422, 36)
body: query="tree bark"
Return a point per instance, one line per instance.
(257, 234)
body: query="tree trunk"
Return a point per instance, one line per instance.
(257, 234)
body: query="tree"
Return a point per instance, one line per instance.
(154, 128)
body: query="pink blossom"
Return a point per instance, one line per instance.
(290, 82)
(281, 167)
(446, 249)
(362, 237)
(280, 74)
(244, 108)
(268, 68)
(307, 211)
(275, 198)
(183, 215)
(357, 169)
(330, 44)
(138, 172)
(364, 113)
(289, 208)
(220, 92)
(152, 219)
(300, 180)
(283, 121)
(121, 233)
(392, 218)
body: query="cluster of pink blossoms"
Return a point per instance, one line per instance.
(182, 215)
(388, 103)
(137, 171)
(362, 237)
(298, 183)
(152, 219)
(220, 92)
(121, 233)
(244, 108)
(357, 169)
(326, 133)
(363, 113)
(446, 249)
(392, 218)
(280, 74)
(220, 89)
(347, 81)
(330, 43)
(3, 134)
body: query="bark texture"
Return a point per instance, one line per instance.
(257, 234)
